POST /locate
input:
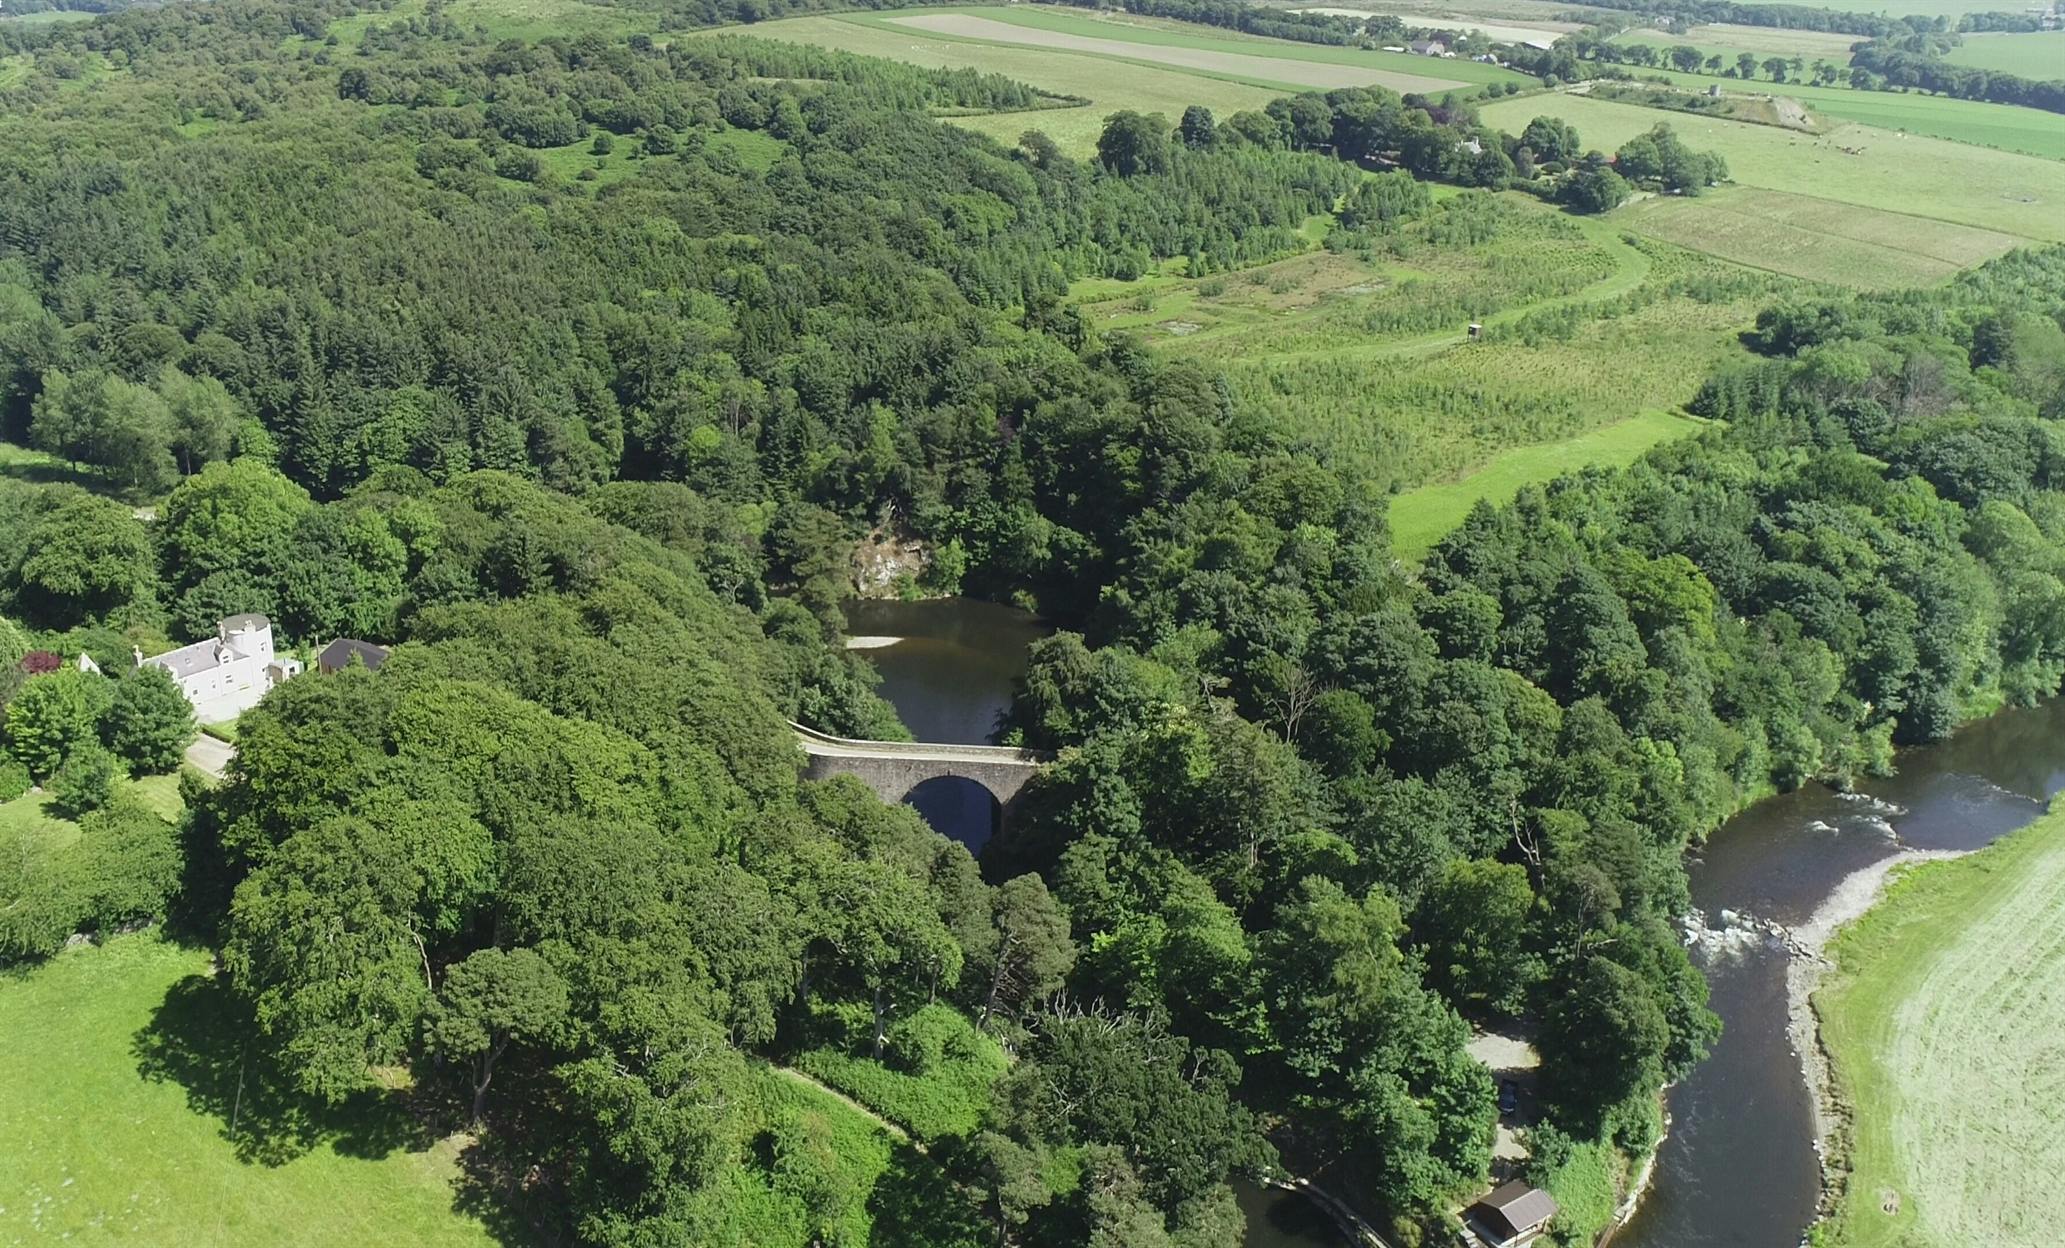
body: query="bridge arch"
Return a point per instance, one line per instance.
(897, 769)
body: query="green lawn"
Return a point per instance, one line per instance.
(48, 17)
(1422, 517)
(125, 1072)
(2038, 54)
(1945, 1021)
(1911, 174)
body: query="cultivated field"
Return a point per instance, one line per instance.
(2040, 54)
(124, 1076)
(1108, 85)
(1540, 34)
(1946, 1025)
(1923, 177)
(1296, 75)
(1729, 39)
(1817, 239)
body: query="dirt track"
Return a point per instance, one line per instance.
(1267, 68)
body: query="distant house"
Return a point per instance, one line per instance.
(227, 675)
(1513, 1216)
(1428, 47)
(338, 655)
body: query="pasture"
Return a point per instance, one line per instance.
(1877, 169)
(1816, 239)
(2028, 131)
(1945, 1023)
(126, 1077)
(2038, 54)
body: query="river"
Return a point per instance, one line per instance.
(949, 675)
(1738, 1169)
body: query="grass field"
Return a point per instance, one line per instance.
(2028, 131)
(1817, 239)
(1423, 516)
(123, 1075)
(1945, 1021)
(48, 17)
(1912, 175)
(2039, 54)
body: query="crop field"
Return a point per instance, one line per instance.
(1728, 40)
(1540, 34)
(1909, 174)
(1299, 74)
(1945, 1021)
(1817, 239)
(124, 1079)
(1108, 85)
(2037, 54)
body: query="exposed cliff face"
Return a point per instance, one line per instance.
(886, 561)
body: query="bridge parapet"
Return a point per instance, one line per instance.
(893, 768)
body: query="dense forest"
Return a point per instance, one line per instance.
(593, 452)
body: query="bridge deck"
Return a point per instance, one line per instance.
(825, 745)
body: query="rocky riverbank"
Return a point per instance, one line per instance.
(1805, 970)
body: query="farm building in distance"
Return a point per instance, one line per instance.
(1429, 47)
(227, 675)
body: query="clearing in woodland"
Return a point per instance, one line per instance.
(1945, 1022)
(1590, 340)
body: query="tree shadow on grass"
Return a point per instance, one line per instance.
(918, 1204)
(203, 1038)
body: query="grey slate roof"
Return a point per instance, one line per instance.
(338, 654)
(1515, 1208)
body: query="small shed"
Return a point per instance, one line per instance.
(338, 655)
(1476, 331)
(1512, 1216)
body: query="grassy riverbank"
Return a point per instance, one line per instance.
(1945, 1025)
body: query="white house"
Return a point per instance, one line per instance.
(225, 676)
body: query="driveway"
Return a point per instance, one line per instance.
(210, 757)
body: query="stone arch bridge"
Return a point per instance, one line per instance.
(894, 768)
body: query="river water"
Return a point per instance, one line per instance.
(1738, 1169)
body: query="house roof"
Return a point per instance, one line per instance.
(188, 660)
(338, 655)
(1515, 1209)
(250, 622)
